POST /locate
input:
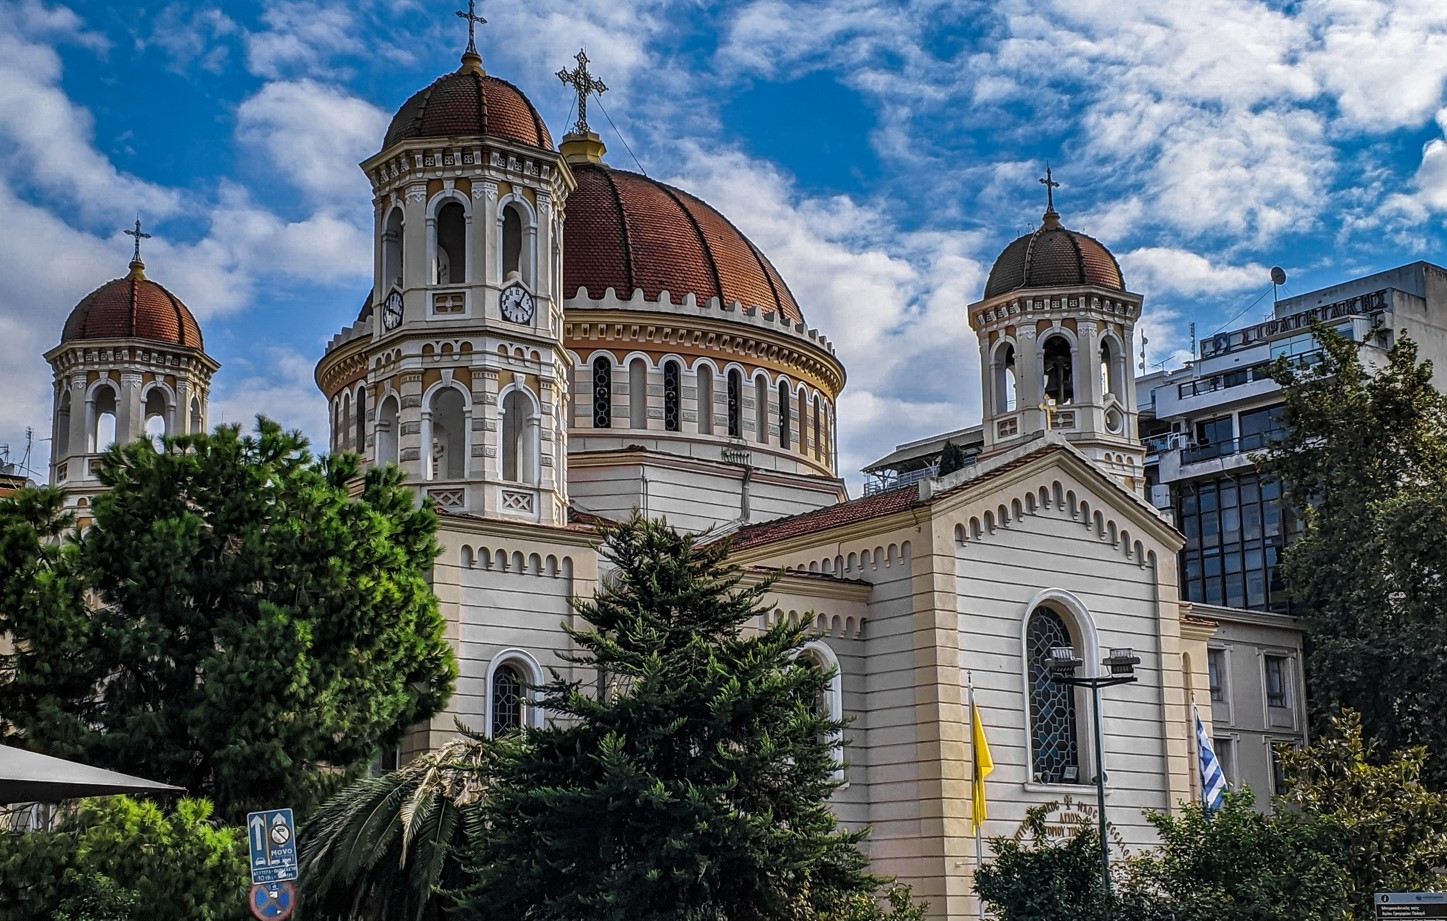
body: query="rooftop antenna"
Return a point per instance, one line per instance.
(1278, 278)
(1193, 340)
(1144, 342)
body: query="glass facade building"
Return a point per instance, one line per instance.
(1235, 527)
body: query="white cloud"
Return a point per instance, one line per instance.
(316, 134)
(1167, 270)
(277, 384)
(192, 39)
(301, 38)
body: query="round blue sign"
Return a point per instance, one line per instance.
(273, 901)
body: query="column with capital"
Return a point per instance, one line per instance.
(129, 422)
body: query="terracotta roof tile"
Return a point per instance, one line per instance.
(465, 103)
(626, 231)
(133, 307)
(1053, 257)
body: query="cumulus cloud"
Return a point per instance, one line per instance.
(316, 134)
(301, 38)
(277, 384)
(192, 39)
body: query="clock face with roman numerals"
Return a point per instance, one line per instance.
(392, 310)
(516, 304)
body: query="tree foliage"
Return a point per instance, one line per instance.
(694, 786)
(235, 620)
(952, 458)
(1235, 863)
(1045, 873)
(388, 847)
(1364, 460)
(120, 859)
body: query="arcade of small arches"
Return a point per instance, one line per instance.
(158, 412)
(740, 404)
(1062, 499)
(1059, 382)
(449, 241)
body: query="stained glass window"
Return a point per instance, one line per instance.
(602, 393)
(783, 414)
(671, 415)
(736, 405)
(1053, 740)
(507, 701)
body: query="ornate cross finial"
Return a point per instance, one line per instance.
(1050, 186)
(1047, 406)
(139, 237)
(473, 21)
(583, 83)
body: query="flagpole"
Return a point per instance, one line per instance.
(975, 819)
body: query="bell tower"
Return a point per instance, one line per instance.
(455, 369)
(1055, 326)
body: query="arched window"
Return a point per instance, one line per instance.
(449, 435)
(392, 250)
(818, 441)
(672, 397)
(1006, 395)
(344, 419)
(761, 409)
(1059, 371)
(829, 702)
(102, 418)
(638, 394)
(519, 438)
(705, 400)
(736, 404)
(154, 413)
(512, 242)
(508, 700)
(602, 392)
(61, 430)
(451, 260)
(1054, 726)
(803, 423)
(1110, 370)
(361, 410)
(783, 414)
(387, 431)
(197, 423)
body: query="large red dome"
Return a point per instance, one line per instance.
(469, 102)
(626, 232)
(133, 307)
(1053, 257)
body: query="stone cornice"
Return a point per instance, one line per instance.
(1080, 301)
(483, 158)
(134, 352)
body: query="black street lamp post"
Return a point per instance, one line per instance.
(1120, 669)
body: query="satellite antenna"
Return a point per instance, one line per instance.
(1278, 278)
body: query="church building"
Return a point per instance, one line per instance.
(550, 341)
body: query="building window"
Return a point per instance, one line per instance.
(638, 394)
(154, 412)
(761, 409)
(672, 417)
(519, 438)
(447, 418)
(1226, 754)
(387, 431)
(1005, 394)
(1054, 745)
(736, 404)
(1235, 528)
(783, 414)
(450, 267)
(507, 700)
(1261, 427)
(361, 445)
(705, 400)
(61, 429)
(1216, 665)
(103, 419)
(1058, 370)
(602, 393)
(1276, 682)
(1278, 769)
(828, 704)
(392, 250)
(512, 242)
(818, 441)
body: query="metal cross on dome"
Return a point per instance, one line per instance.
(139, 237)
(473, 21)
(1050, 186)
(583, 83)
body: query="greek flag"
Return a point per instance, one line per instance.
(1213, 779)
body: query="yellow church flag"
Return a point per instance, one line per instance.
(984, 765)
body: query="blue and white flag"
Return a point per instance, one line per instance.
(1213, 779)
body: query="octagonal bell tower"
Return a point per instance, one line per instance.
(1055, 328)
(455, 369)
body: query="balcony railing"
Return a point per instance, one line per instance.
(1231, 446)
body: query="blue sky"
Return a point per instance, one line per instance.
(881, 153)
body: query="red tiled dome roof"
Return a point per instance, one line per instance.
(133, 307)
(626, 231)
(469, 102)
(1053, 257)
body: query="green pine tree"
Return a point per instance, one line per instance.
(254, 618)
(952, 458)
(690, 783)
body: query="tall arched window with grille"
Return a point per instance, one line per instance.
(508, 700)
(736, 404)
(783, 414)
(672, 397)
(1054, 726)
(705, 399)
(602, 392)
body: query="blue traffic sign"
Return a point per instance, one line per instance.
(272, 837)
(273, 901)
